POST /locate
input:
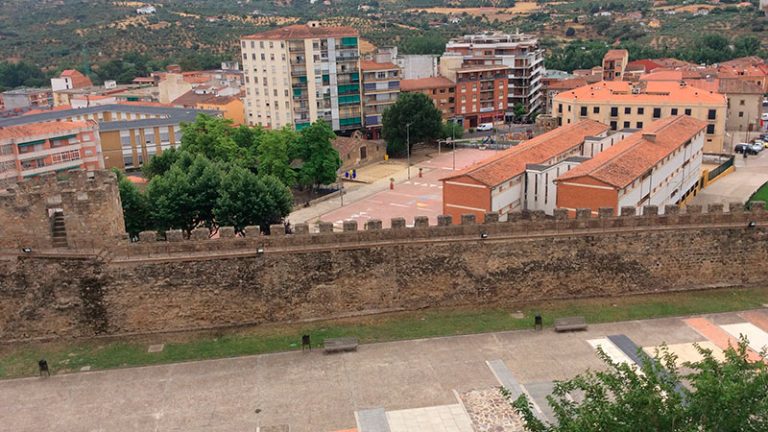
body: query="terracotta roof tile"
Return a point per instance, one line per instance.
(628, 160)
(512, 162)
(46, 128)
(302, 31)
(368, 65)
(649, 92)
(567, 84)
(616, 54)
(425, 83)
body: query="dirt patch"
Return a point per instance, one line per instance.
(501, 14)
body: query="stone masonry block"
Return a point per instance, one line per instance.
(444, 220)
(514, 216)
(650, 210)
(715, 208)
(301, 229)
(350, 225)
(628, 211)
(277, 230)
(397, 223)
(252, 230)
(199, 234)
(560, 214)
(373, 225)
(671, 210)
(583, 213)
(605, 212)
(467, 219)
(174, 235)
(421, 222)
(325, 227)
(491, 217)
(537, 214)
(693, 209)
(736, 207)
(226, 232)
(147, 236)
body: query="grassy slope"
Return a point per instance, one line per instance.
(18, 361)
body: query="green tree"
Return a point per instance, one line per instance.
(452, 130)
(416, 109)
(520, 112)
(159, 164)
(274, 155)
(713, 396)
(135, 207)
(214, 138)
(247, 199)
(320, 160)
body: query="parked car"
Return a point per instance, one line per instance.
(760, 142)
(756, 147)
(765, 101)
(747, 148)
(764, 117)
(485, 127)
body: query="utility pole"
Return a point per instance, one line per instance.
(453, 140)
(408, 146)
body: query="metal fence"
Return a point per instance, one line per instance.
(720, 169)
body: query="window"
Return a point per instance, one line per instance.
(626, 125)
(674, 111)
(641, 110)
(710, 129)
(613, 125)
(711, 114)
(263, 57)
(560, 108)
(627, 110)
(596, 110)
(614, 111)
(583, 111)
(741, 102)
(639, 125)
(657, 113)
(741, 113)
(687, 111)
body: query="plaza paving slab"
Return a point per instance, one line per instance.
(739, 185)
(313, 391)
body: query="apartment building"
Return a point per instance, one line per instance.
(623, 105)
(520, 52)
(659, 165)
(441, 90)
(129, 133)
(381, 87)
(500, 183)
(298, 74)
(21, 98)
(40, 148)
(614, 64)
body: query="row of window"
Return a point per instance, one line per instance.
(657, 112)
(65, 156)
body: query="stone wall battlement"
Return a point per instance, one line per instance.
(522, 224)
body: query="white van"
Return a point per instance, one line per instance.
(485, 127)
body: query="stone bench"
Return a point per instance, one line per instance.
(340, 344)
(570, 324)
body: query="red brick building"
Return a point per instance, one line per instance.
(441, 90)
(481, 94)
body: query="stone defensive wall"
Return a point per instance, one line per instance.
(173, 284)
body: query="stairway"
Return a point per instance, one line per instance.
(59, 231)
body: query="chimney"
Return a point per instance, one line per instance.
(650, 136)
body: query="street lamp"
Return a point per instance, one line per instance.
(408, 146)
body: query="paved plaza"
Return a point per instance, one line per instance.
(738, 186)
(417, 196)
(429, 385)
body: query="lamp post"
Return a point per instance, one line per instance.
(453, 140)
(408, 146)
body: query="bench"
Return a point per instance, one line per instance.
(340, 344)
(570, 324)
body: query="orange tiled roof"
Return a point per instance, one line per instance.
(425, 83)
(512, 162)
(45, 128)
(368, 65)
(663, 92)
(626, 161)
(302, 31)
(616, 54)
(567, 84)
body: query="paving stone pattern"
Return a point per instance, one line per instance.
(490, 412)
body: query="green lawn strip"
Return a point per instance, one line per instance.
(104, 354)
(760, 194)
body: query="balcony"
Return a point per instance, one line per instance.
(31, 171)
(47, 152)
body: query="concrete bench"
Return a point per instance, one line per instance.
(340, 344)
(570, 324)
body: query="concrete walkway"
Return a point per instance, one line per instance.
(738, 186)
(315, 392)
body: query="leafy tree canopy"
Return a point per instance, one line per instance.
(712, 396)
(416, 109)
(320, 161)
